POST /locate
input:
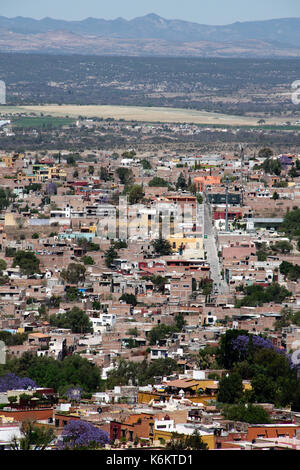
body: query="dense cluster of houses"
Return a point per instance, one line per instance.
(72, 212)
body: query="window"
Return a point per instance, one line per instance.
(115, 433)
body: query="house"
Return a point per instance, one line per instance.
(158, 352)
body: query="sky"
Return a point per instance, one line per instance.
(213, 12)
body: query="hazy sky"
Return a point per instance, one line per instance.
(200, 11)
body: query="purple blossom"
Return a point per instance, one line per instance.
(81, 434)
(241, 343)
(13, 382)
(74, 393)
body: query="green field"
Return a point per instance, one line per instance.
(47, 122)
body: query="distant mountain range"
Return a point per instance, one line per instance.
(151, 35)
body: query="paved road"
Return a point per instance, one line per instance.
(212, 254)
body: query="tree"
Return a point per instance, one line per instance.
(27, 261)
(282, 246)
(88, 260)
(207, 288)
(180, 322)
(272, 167)
(75, 319)
(293, 173)
(290, 271)
(162, 247)
(54, 301)
(129, 299)
(159, 333)
(230, 389)
(96, 305)
(120, 244)
(264, 388)
(206, 358)
(291, 223)
(129, 154)
(158, 182)
(12, 400)
(227, 356)
(81, 435)
(13, 339)
(265, 153)
(34, 437)
(246, 413)
(159, 282)
(141, 373)
(133, 332)
(285, 320)
(182, 442)
(181, 182)
(146, 164)
(10, 252)
(104, 174)
(257, 295)
(199, 199)
(125, 175)
(110, 255)
(5, 198)
(91, 170)
(73, 294)
(12, 381)
(74, 274)
(50, 373)
(275, 196)
(136, 194)
(87, 244)
(3, 265)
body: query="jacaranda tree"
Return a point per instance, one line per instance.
(13, 382)
(81, 435)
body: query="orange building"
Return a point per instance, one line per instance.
(202, 181)
(29, 414)
(139, 426)
(272, 430)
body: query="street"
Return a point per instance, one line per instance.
(212, 255)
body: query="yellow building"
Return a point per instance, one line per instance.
(192, 245)
(41, 174)
(8, 160)
(22, 177)
(56, 172)
(166, 436)
(10, 220)
(197, 391)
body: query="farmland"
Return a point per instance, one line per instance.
(130, 113)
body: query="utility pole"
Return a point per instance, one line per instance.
(242, 155)
(226, 216)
